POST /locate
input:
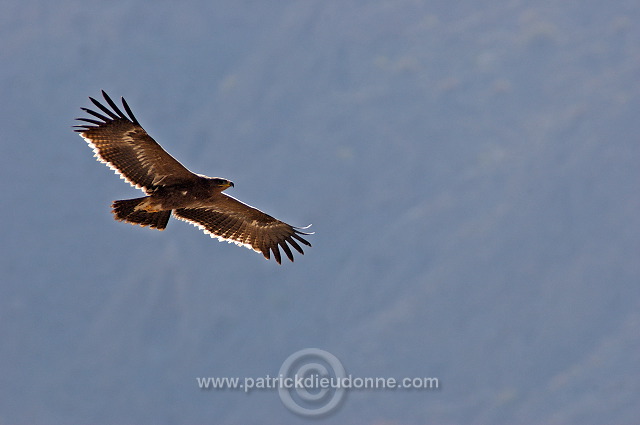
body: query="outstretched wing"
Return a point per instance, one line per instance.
(119, 141)
(231, 220)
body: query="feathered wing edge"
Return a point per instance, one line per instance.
(264, 247)
(111, 116)
(96, 154)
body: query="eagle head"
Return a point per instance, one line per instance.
(222, 183)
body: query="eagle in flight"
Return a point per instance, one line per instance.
(121, 143)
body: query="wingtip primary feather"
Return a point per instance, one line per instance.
(103, 109)
(286, 249)
(300, 238)
(276, 254)
(129, 112)
(113, 105)
(96, 114)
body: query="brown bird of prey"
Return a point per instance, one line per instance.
(121, 143)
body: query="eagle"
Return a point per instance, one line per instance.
(119, 141)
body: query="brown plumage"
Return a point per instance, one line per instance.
(119, 141)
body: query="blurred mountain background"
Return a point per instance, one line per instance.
(471, 171)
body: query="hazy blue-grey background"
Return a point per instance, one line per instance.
(471, 170)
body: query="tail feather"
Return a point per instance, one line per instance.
(125, 210)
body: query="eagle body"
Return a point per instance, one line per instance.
(199, 193)
(171, 189)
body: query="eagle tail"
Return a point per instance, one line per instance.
(125, 210)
